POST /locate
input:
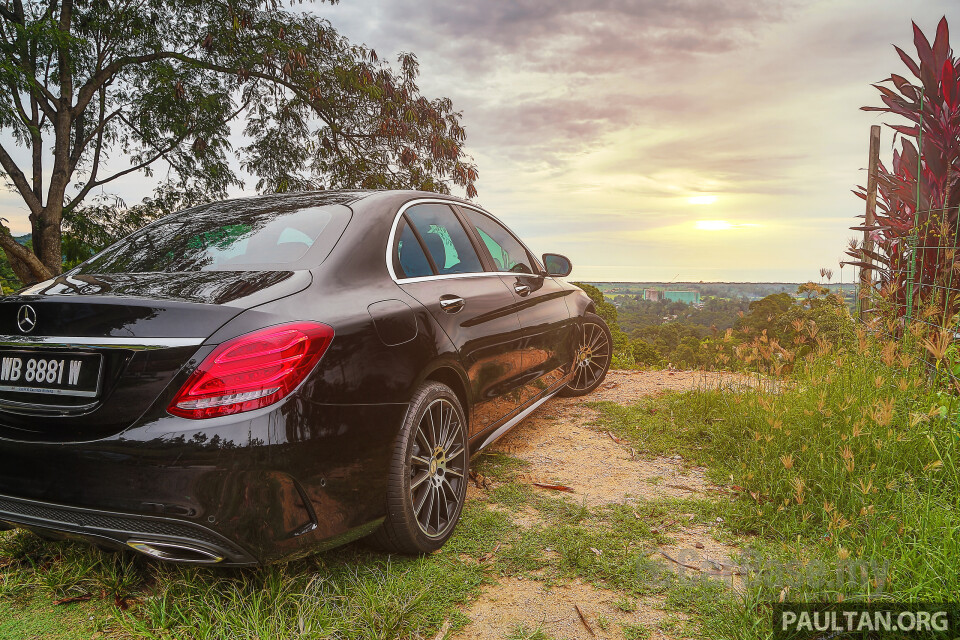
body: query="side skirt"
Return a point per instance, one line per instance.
(493, 437)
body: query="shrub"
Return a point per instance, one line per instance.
(644, 353)
(918, 194)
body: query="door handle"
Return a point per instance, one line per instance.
(451, 304)
(522, 289)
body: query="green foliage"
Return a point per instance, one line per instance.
(712, 314)
(763, 315)
(644, 353)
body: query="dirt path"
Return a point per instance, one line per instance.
(561, 448)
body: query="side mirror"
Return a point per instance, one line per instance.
(557, 265)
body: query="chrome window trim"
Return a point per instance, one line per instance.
(447, 276)
(136, 344)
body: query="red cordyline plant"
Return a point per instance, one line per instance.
(932, 109)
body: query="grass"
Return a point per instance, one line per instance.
(844, 480)
(348, 593)
(345, 593)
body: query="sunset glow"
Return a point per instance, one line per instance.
(713, 225)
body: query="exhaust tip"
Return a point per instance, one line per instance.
(175, 552)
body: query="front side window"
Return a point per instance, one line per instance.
(444, 238)
(507, 252)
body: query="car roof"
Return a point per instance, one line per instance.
(294, 199)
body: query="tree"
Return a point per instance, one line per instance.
(87, 84)
(765, 313)
(644, 353)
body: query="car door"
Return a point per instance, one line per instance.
(437, 263)
(549, 330)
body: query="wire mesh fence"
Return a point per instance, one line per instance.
(915, 299)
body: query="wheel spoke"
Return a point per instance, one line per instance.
(431, 497)
(433, 429)
(442, 496)
(437, 500)
(445, 482)
(456, 454)
(597, 339)
(419, 480)
(418, 502)
(422, 439)
(445, 425)
(421, 461)
(454, 472)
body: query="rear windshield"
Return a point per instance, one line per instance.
(212, 239)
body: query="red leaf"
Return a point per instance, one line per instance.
(941, 44)
(907, 131)
(907, 60)
(947, 81)
(924, 50)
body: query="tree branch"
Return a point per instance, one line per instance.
(98, 131)
(93, 183)
(24, 262)
(86, 92)
(19, 181)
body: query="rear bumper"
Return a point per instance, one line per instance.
(116, 530)
(274, 485)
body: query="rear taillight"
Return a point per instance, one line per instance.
(252, 371)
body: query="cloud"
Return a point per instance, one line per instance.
(567, 35)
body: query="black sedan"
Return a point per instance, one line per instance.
(259, 378)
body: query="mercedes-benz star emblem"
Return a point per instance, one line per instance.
(26, 318)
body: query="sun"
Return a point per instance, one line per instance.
(713, 225)
(702, 199)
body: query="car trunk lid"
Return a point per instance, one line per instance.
(85, 356)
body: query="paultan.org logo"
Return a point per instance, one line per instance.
(807, 621)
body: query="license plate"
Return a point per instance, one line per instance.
(60, 374)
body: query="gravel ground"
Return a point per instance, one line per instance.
(562, 449)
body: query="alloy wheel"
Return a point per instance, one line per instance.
(437, 468)
(592, 357)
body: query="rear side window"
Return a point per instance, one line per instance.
(445, 239)
(507, 252)
(238, 240)
(409, 261)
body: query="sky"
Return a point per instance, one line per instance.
(649, 140)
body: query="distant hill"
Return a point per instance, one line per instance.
(24, 239)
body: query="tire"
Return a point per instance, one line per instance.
(428, 472)
(591, 361)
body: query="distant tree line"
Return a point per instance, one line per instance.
(719, 332)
